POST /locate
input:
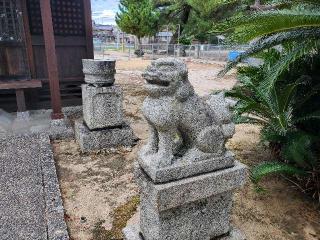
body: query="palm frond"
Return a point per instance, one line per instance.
(312, 116)
(283, 63)
(263, 23)
(268, 168)
(271, 41)
(298, 149)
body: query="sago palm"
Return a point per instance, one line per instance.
(298, 24)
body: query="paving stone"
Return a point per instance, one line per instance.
(58, 129)
(234, 234)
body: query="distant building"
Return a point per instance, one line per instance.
(110, 34)
(128, 38)
(104, 32)
(164, 37)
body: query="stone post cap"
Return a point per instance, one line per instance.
(99, 72)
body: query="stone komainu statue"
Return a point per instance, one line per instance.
(183, 126)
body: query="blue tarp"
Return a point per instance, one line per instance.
(233, 55)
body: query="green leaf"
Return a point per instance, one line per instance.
(261, 23)
(311, 116)
(265, 169)
(285, 60)
(298, 149)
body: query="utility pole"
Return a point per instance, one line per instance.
(118, 38)
(167, 39)
(122, 41)
(179, 28)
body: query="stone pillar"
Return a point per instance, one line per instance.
(103, 124)
(186, 176)
(197, 51)
(178, 50)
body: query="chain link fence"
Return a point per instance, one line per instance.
(155, 51)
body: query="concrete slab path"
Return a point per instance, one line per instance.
(30, 201)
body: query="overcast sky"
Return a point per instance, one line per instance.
(104, 11)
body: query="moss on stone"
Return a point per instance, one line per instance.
(121, 216)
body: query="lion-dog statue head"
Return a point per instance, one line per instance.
(168, 76)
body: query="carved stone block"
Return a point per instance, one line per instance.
(102, 106)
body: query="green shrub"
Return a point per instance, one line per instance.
(288, 111)
(283, 94)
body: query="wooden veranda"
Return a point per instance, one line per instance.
(42, 43)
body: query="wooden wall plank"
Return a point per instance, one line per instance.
(27, 34)
(21, 84)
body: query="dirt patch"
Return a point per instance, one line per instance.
(93, 185)
(282, 212)
(96, 186)
(120, 217)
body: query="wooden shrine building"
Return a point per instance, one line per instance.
(42, 43)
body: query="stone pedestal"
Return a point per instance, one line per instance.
(103, 124)
(133, 233)
(194, 208)
(182, 168)
(104, 138)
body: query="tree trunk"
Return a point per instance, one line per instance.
(139, 42)
(184, 20)
(139, 52)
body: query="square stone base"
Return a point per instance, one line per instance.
(194, 208)
(133, 233)
(199, 220)
(102, 139)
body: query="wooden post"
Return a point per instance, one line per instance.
(88, 27)
(52, 64)
(21, 103)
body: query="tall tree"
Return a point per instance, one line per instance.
(137, 17)
(194, 16)
(174, 12)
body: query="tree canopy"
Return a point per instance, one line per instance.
(138, 17)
